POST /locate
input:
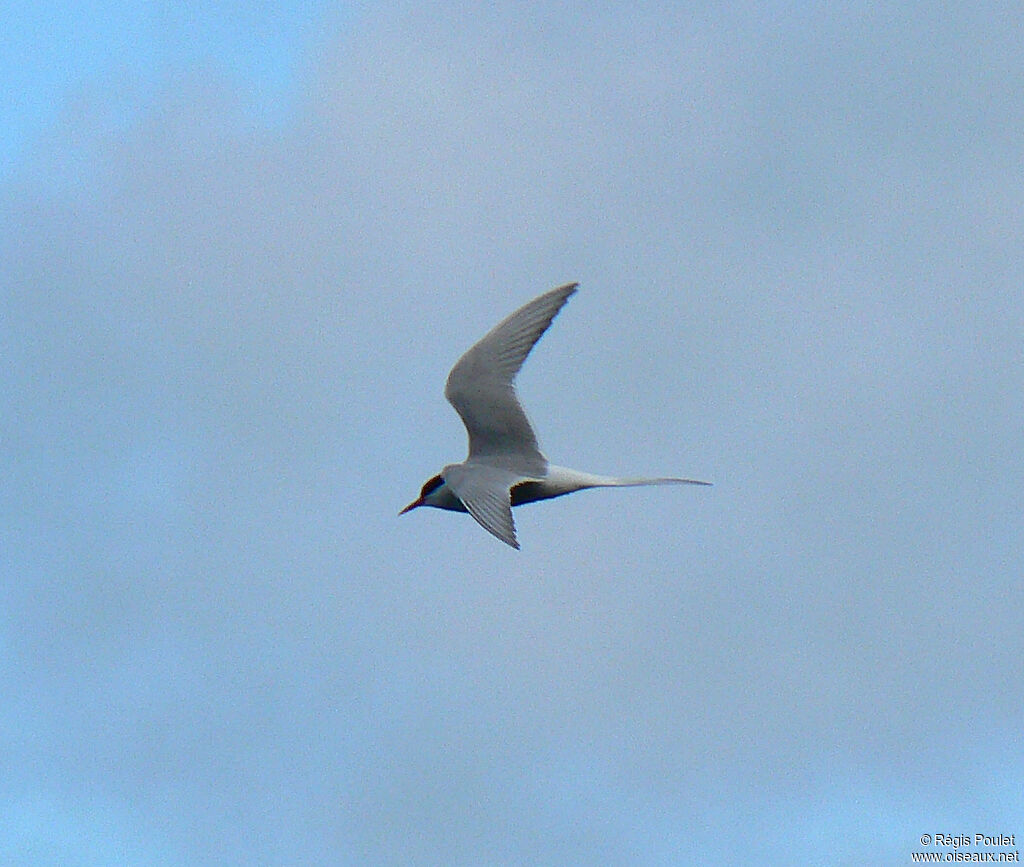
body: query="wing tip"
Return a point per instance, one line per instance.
(565, 291)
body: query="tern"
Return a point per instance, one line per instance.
(505, 466)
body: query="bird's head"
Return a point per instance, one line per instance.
(431, 488)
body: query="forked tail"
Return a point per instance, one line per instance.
(561, 480)
(635, 483)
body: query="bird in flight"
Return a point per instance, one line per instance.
(505, 466)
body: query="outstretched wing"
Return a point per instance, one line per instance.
(485, 492)
(481, 388)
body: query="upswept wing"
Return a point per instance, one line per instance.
(481, 388)
(485, 491)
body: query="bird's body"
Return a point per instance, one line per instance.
(505, 466)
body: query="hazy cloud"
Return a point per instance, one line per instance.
(798, 236)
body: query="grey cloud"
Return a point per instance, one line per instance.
(799, 250)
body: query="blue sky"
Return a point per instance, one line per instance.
(54, 53)
(243, 247)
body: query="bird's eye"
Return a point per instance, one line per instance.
(431, 486)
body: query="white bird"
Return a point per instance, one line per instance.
(505, 466)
